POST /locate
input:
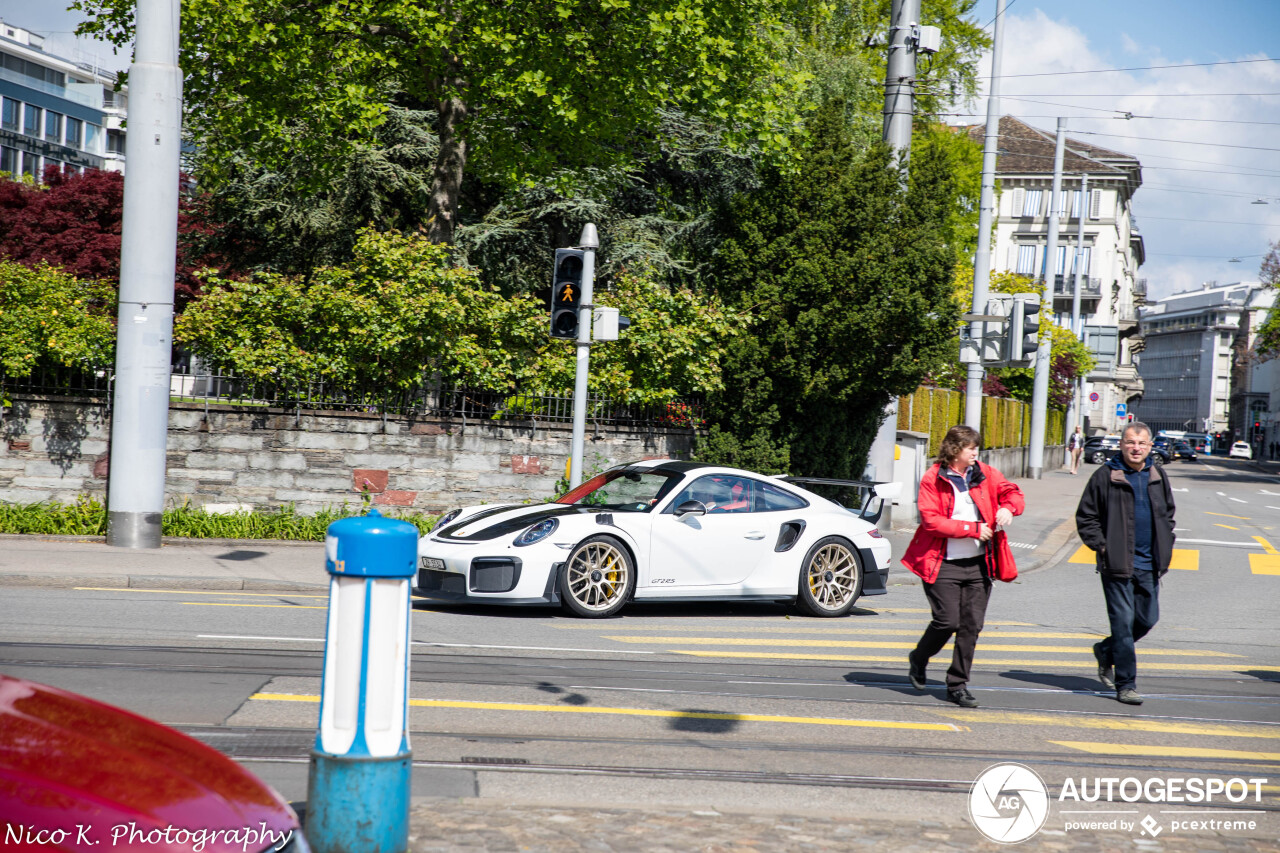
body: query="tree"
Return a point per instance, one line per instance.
(846, 276)
(1268, 340)
(73, 221)
(518, 89)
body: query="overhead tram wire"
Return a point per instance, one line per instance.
(1175, 141)
(1128, 115)
(1138, 67)
(1145, 165)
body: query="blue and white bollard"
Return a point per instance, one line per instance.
(358, 788)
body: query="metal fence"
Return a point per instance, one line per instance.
(437, 400)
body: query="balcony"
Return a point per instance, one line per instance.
(1064, 288)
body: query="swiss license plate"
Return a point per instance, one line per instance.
(433, 563)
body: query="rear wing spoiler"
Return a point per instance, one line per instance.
(871, 495)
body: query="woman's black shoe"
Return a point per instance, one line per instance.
(916, 672)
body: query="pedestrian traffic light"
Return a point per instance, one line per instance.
(566, 293)
(1024, 328)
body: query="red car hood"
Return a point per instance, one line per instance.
(76, 774)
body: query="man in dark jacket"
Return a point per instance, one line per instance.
(1126, 516)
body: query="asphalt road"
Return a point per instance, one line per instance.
(735, 706)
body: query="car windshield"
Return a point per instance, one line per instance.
(623, 489)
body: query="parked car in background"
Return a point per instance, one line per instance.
(1162, 450)
(1182, 450)
(79, 775)
(1100, 448)
(1241, 450)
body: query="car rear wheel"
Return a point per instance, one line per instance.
(598, 578)
(1098, 457)
(830, 578)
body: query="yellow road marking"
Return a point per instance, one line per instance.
(1267, 546)
(1264, 564)
(777, 629)
(1118, 724)
(237, 604)
(1224, 515)
(1227, 526)
(865, 644)
(1146, 665)
(1166, 751)
(198, 592)
(1185, 559)
(645, 712)
(1084, 555)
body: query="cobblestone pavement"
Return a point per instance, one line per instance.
(463, 826)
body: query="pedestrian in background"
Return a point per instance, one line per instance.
(957, 551)
(1076, 445)
(1126, 516)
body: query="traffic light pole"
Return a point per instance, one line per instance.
(1040, 387)
(589, 242)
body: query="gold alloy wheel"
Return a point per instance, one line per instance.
(598, 576)
(832, 576)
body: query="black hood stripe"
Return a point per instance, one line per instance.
(510, 525)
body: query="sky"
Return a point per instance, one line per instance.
(1206, 135)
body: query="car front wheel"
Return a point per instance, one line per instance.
(1098, 457)
(830, 578)
(598, 578)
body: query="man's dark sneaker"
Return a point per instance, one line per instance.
(1128, 696)
(916, 672)
(964, 698)
(1106, 671)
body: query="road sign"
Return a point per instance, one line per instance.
(1121, 410)
(1093, 397)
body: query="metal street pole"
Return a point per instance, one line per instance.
(899, 110)
(1040, 387)
(144, 332)
(986, 215)
(590, 241)
(1077, 324)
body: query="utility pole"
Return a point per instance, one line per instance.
(589, 241)
(986, 215)
(899, 110)
(144, 331)
(1040, 387)
(1077, 325)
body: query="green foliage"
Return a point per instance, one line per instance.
(1268, 340)
(48, 317)
(88, 517)
(402, 311)
(530, 88)
(847, 277)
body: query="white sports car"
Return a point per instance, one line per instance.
(662, 530)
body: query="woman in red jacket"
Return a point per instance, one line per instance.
(956, 553)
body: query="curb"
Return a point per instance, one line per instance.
(177, 541)
(160, 582)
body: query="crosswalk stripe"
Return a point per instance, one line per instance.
(1030, 662)
(642, 712)
(835, 628)
(1166, 751)
(1117, 724)
(881, 644)
(1264, 564)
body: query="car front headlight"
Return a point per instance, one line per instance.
(537, 532)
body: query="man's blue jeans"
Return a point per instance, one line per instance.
(1133, 607)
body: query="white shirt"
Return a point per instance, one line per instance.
(964, 509)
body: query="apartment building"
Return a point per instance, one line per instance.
(1097, 233)
(54, 111)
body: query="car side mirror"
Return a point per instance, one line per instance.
(691, 508)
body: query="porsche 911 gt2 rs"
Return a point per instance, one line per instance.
(663, 530)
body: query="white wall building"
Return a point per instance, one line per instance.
(1111, 253)
(1198, 358)
(55, 112)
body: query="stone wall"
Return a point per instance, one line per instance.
(231, 458)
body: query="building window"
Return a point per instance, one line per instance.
(1095, 204)
(1075, 205)
(53, 126)
(9, 160)
(74, 129)
(1075, 259)
(30, 120)
(92, 138)
(9, 115)
(1060, 268)
(30, 164)
(1026, 260)
(1031, 204)
(115, 142)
